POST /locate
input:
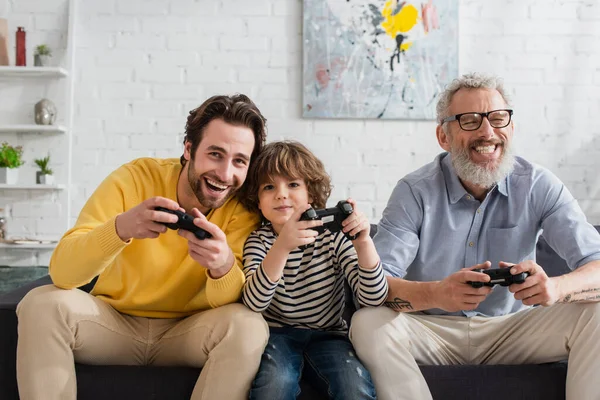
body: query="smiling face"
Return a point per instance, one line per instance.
(219, 166)
(277, 200)
(481, 157)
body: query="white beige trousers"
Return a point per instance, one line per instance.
(60, 327)
(391, 345)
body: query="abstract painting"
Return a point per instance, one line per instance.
(377, 58)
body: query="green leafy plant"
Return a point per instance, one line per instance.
(43, 50)
(43, 164)
(10, 156)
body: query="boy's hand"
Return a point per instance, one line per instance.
(357, 223)
(296, 233)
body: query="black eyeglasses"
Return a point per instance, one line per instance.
(472, 121)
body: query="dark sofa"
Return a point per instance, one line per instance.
(463, 382)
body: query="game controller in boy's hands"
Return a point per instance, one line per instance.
(186, 222)
(499, 276)
(332, 218)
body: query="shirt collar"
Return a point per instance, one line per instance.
(503, 186)
(456, 190)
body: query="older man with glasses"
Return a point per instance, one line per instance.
(478, 207)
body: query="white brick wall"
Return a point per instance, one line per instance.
(139, 72)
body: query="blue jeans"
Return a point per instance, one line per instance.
(327, 360)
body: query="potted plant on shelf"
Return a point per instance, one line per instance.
(42, 55)
(10, 161)
(44, 175)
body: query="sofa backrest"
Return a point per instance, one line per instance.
(553, 264)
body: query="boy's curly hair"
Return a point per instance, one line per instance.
(292, 160)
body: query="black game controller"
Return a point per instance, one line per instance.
(499, 276)
(332, 218)
(186, 222)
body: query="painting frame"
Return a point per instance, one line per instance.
(372, 59)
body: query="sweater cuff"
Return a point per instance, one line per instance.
(231, 279)
(110, 242)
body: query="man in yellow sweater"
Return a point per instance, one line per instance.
(163, 297)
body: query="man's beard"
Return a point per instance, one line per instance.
(195, 181)
(484, 176)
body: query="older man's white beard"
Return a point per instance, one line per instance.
(483, 176)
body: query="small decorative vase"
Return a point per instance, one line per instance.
(41, 61)
(45, 112)
(44, 179)
(9, 176)
(21, 59)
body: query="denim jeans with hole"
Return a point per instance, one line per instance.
(326, 360)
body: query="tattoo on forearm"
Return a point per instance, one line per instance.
(398, 304)
(582, 296)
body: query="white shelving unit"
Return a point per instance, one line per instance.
(9, 72)
(64, 76)
(28, 246)
(50, 129)
(18, 186)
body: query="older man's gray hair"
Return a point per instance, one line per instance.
(468, 81)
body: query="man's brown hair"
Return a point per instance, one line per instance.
(292, 160)
(237, 109)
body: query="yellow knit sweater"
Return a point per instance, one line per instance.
(147, 277)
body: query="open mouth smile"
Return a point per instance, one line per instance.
(215, 186)
(486, 152)
(486, 149)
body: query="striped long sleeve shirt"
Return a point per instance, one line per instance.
(310, 293)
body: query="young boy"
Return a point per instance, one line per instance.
(295, 277)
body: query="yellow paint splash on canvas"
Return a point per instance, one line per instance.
(401, 22)
(405, 46)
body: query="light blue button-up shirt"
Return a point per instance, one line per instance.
(432, 227)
